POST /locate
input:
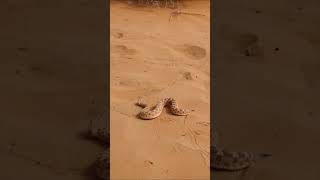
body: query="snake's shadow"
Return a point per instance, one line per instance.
(138, 117)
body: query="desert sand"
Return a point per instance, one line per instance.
(154, 58)
(52, 84)
(267, 61)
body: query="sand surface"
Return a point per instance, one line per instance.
(268, 97)
(154, 58)
(52, 79)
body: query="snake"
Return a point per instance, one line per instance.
(221, 159)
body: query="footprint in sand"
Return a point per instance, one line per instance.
(118, 35)
(187, 75)
(124, 50)
(203, 123)
(148, 163)
(192, 51)
(247, 43)
(129, 82)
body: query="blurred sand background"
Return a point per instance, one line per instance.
(267, 61)
(154, 58)
(52, 84)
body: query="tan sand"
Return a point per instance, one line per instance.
(269, 101)
(154, 58)
(51, 73)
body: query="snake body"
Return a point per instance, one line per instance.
(225, 160)
(221, 159)
(155, 111)
(102, 164)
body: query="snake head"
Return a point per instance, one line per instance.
(140, 102)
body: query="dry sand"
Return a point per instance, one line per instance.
(154, 58)
(269, 101)
(52, 76)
